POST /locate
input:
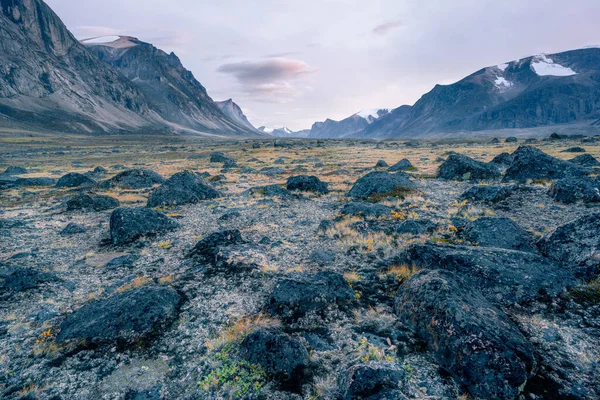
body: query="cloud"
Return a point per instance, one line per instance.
(265, 71)
(386, 27)
(86, 32)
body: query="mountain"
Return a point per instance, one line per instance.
(349, 127)
(171, 90)
(541, 90)
(234, 112)
(50, 81)
(284, 132)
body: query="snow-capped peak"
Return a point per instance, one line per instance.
(544, 66)
(502, 67)
(115, 41)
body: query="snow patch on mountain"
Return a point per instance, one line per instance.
(544, 66)
(502, 67)
(502, 84)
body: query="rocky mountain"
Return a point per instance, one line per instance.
(541, 90)
(234, 112)
(50, 81)
(284, 132)
(349, 127)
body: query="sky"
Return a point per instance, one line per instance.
(291, 63)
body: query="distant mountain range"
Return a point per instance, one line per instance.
(51, 81)
(284, 132)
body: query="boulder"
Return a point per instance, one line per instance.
(91, 202)
(218, 157)
(381, 164)
(381, 184)
(124, 318)
(532, 163)
(282, 357)
(502, 160)
(367, 379)
(305, 183)
(128, 224)
(270, 191)
(73, 179)
(240, 257)
(184, 187)
(574, 243)
(458, 167)
(134, 179)
(402, 165)
(503, 233)
(467, 335)
(366, 209)
(208, 248)
(503, 276)
(511, 139)
(495, 141)
(119, 262)
(12, 170)
(574, 150)
(20, 279)
(492, 194)
(295, 295)
(573, 190)
(585, 160)
(73, 229)
(24, 182)
(322, 257)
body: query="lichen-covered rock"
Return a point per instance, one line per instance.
(532, 163)
(122, 318)
(84, 201)
(74, 179)
(73, 229)
(572, 190)
(492, 194)
(381, 164)
(503, 233)
(476, 342)
(503, 276)
(19, 279)
(462, 168)
(502, 160)
(128, 224)
(282, 357)
(12, 170)
(184, 187)
(402, 165)
(294, 296)
(368, 379)
(218, 157)
(585, 160)
(382, 183)
(134, 179)
(305, 183)
(366, 209)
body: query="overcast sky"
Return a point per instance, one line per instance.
(291, 63)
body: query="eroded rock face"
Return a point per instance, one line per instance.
(532, 163)
(294, 296)
(305, 183)
(128, 224)
(467, 335)
(503, 233)
(282, 357)
(381, 183)
(184, 187)
(575, 243)
(134, 179)
(462, 168)
(122, 318)
(503, 276)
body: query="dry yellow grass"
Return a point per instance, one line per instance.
(242, 327)
(135, 283)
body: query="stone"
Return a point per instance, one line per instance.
(73, 179)
(305, 183)
(462, 168)
(532, 163)
(381, 183)
(128, 224)
(184, 187)
(134, 179)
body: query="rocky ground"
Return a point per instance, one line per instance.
(299, 269)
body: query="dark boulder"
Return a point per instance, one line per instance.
(367, 379)
(121, 262)
(12, 170)
(184, 187)
(240, 257)
(574, 150)
(134, 179)
(381, 164)
(572, 190)
(503, 233)
(282, 357)
(495, 141)
(502, 160)
(492, 194)
(123, 318)
(462, 168)
(322, 257)
(366, 209)
(585, 160)
(100, 171)
(305, 183)
(219, 157)
(574, 243)
(73, 179)
(11, 223)
(402, 165)
(73, 229)
(532, 163)
(91, 202)
(376, 184)
(270, 191)
(20, 279)
(476, 342)
(128, 224)
(294, 296)
(24, 182)
(503, 276)
(511, 139)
